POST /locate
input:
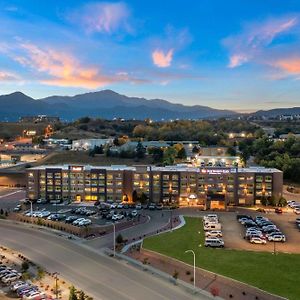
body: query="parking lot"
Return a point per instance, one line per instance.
(233, 232)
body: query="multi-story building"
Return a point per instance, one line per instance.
(212, 187)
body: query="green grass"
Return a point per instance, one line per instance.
(278, 274)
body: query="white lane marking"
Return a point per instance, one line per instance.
(6, 195)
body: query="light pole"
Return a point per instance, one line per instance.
(114, 227)
(31, 210)
(56, 286)
(187, 251)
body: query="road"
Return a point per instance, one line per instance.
(98, 275)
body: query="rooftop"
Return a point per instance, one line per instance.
(175, 168)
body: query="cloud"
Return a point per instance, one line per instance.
(7, 76)
(62, 69)
(102, 17)
(237, 60)
(290, 65)
(251, 43)
(162, 59)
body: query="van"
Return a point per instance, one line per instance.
(214, 243)
(212, 226)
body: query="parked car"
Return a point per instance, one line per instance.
(84, 222)
(214, 233)
(41, 201)
(138, 206)
(159, 206)
(134, 213)
(277, 238)
(257, 240)
(278, 210)
(214, 243)
(297, 210)
(71, 219)
(76, 222)
(152, 206)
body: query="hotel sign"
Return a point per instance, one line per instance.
(76, 168)
(215, 171)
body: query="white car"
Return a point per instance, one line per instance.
(277, 238)
(257, 240)
(297, 211)
(138, 206)
(12, 277)
(134, 213)
(18, 284)
(113, 205)
(85, 222)
(76, 222)
(120, 205)
(214, 233)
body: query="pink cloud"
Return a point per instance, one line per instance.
(237, 60)
(62, 69)
(162, 59)
(8, 76)
(252, 42)
(103, 17)
(290, 65)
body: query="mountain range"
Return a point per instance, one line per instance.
(105, 104)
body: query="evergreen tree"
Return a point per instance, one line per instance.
(140, 150)
(72, 295)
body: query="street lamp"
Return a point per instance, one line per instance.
(188, 251)
(114, 227)
(56, 286)
(31, 211)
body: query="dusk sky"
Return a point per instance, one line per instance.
(241, 55)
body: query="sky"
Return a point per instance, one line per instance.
(233, 54)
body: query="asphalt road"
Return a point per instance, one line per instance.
(100, 276)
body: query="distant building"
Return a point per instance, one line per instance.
(39, 119)
(89, 144)
(284, 137)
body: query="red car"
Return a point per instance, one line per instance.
(278, 210)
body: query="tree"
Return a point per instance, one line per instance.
(143, 198)
(72, 295)
(169, 156)
(231, 151)
(140, 150)
(25, 266)
(119, 239)
(196, 149)
(181, 153)
(134, 196)
(157, 154)
(81, 295)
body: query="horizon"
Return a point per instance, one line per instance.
(222, 55)
(242, 111)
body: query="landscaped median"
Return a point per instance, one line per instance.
(278, 274)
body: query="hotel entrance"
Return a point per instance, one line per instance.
(215, 201)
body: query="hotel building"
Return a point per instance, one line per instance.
(212, 187)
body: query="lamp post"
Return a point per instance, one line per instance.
(188, 251)
(31, 211)
(56, 286)
(114, 236)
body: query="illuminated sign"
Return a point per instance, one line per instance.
(215, 171)
(76, 168)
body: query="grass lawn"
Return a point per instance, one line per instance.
(278, 274)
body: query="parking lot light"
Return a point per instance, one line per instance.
(188, 251)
